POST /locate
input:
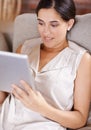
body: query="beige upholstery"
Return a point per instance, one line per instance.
(81, 32)
(25, 27)
(6, 29)
(3, 43)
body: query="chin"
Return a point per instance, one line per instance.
(48, 45)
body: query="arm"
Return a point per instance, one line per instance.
(82, 97)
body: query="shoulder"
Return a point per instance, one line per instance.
(76, 48)
(28, 45)
(82, 57)
(87, 57)
(84, 68)
(86, 60)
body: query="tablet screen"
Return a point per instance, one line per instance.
(13, 68)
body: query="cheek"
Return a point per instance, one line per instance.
(40, 30)
(60, 33)
(61, 30)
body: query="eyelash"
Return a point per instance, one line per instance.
(40, 23)
(51, 24)
(54, 25)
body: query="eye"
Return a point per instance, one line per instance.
(40, 23)
(55, 25)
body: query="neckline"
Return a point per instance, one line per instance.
(52, 60)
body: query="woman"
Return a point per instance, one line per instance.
(57, 65)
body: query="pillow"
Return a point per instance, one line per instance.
(25, 28)
(3, 44)
(81, 32)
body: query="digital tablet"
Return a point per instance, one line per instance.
(13, 68)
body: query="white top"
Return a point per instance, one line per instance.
(55, 81)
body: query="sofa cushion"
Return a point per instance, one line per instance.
(81, 32)
(25, 28)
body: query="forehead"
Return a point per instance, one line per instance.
(49, 15)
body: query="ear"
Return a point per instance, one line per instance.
(70, 24)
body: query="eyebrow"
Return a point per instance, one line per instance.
(54, 21)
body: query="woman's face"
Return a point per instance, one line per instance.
(52, 28)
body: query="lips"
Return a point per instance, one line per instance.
(47, 39)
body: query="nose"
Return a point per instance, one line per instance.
(46, 31)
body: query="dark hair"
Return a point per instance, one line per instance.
(65, 8)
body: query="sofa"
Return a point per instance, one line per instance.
(25, 28)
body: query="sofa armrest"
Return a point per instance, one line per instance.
(3, 44)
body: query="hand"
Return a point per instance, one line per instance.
(30, 98)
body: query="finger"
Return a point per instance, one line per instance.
(21, 95)
(26, 86)
(18, 92)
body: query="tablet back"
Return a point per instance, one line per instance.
(13, 68)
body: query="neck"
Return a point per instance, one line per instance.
(54, 49)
